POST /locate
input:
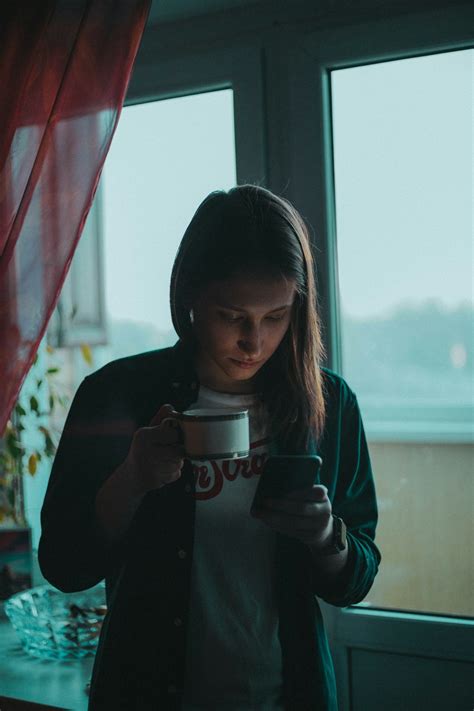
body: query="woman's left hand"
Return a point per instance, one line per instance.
(304, 514)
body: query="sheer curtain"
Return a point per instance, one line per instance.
(64, 71)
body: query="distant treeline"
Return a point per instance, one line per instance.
(417, 351)
(424, 350)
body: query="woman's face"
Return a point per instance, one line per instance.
(239, 323)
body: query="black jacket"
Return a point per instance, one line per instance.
(139, 664)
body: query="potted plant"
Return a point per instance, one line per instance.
(30, 437)
(16, 456)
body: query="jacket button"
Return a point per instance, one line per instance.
(181, 554)
(178, 622)
(172, 689)
(188, 488)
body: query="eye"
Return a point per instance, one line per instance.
(230, 318)
(276, 318)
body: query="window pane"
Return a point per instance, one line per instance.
(166, 156)
(403, 175)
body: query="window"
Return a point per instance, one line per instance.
(166, 156)
(403, 180)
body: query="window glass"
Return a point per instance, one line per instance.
(165, 158)
(403, 179)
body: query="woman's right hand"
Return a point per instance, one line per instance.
(155, 457)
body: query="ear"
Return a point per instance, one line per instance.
(188, 298)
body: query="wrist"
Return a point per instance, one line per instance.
(126, 473)
(334, 540)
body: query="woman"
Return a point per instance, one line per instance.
(210, 607)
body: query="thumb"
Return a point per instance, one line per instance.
(166, 410)
(320, 491)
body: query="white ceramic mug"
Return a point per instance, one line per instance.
(213, 433)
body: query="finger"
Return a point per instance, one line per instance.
(169, 465)
(317, 493)
(165, 411)
(298, 508)
(172, 452)
(288, 522)
(173, 476)
(166, 435)
(304, 529)
(161, 437)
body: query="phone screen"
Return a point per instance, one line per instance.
(284, 473)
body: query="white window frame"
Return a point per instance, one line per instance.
(312, 171)
(73, 322)
(159, 76)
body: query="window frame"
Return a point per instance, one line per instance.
(72, 323)
(159, 76)
(312, 168)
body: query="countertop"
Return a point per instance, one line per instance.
(56, 683)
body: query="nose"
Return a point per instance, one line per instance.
(250, 341)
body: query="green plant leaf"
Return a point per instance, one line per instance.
(51, 371)
(32, 463)
(14, 446)
(50, 447)
(20, 410)
(51, 403)
(34, 404)
(39, 383)
(87, 353)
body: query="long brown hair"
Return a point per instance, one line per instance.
(251, 229)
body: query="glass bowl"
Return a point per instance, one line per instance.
(56, 625)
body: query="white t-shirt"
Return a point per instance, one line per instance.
(233, 653)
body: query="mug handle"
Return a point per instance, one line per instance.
(175, 417)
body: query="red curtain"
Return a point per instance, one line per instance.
(64, 70)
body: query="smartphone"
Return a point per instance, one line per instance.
(283, 473)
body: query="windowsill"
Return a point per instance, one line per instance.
(417, 433)
(55, 683)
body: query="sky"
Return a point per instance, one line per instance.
(404, 183)
(165, 158)
(403, 168)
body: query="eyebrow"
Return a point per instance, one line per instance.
(236, 308)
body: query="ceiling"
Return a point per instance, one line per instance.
(162, 11)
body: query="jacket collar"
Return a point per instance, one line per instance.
(184, 381)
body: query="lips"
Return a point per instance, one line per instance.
(245, 363)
